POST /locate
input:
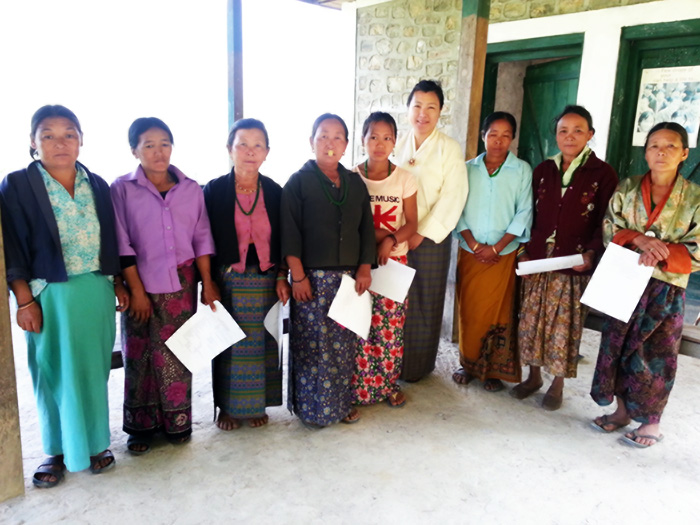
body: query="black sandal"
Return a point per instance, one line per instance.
(95, 466)
(134, 443)
(53, 466)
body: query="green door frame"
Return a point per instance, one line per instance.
(634, 40)
(529, 49)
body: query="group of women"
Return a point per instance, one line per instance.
(72, 244)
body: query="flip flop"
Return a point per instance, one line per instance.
(493, 385)
(95, 467)
(461, 377)
(391, 401)
(631, 441)
(54, 466)
(604, 422)
(138, 442)
(352, 417)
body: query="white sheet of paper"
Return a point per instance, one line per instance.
(392, 280)
(618, 283)
(204, 336)
(353, 311)
(274, 323)
(549, 265)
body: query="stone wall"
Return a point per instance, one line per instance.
(398, 44)
(507, 10)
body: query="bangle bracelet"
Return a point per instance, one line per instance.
(494, 249)
(282, 278)
(25, 305)
(393, 237)
(476, 247)
(300, 280)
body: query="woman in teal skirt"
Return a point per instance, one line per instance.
(61, 254)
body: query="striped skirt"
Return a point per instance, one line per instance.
(69, 361)
(247, 377)
(157, 386)
(427, 298)
(637, 360)
(322, 355)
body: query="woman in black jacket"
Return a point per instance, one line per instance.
(244, 209)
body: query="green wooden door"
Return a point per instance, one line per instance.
(649, 47)
(548, 87)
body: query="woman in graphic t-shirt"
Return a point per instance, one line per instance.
(392, 194)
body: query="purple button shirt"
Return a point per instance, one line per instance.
(161, 233)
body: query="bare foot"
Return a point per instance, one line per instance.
(526, 388)
(226, 422)
(461, 377)
(255, 422)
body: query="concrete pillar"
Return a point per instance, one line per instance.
(467, 104)
(11, 473)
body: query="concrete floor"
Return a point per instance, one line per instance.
(452, 455)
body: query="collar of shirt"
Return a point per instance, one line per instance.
(510, 162)
(139, 176)
(80, 173)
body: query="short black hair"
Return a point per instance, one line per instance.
(378, 116)
(52, 111)
(499, 115)
(428, 86)
(246, 123)
(142, 125)
(329, 116)
(576, 110)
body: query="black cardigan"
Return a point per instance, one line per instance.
(32, 243)
(220, 199)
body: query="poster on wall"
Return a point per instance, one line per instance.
(668, 94)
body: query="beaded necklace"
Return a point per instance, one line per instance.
(322, 178)
(367, 169)
(255, 202)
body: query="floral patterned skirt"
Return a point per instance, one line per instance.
(379, 357)
(322, 355)
(551, 321)
(637, 360)
(157, 386)
(487, 333)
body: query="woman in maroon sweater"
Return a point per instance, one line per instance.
(571, 192)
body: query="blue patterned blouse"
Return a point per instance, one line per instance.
(78, 225)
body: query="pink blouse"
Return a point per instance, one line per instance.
(252, 229)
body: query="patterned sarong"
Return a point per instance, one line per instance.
(637, 360)
(321, 357)
(247, 377)
(487, 334)
(379, 357)
(157, 386)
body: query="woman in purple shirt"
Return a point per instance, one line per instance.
(163, 232)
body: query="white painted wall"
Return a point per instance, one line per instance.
(601, 46)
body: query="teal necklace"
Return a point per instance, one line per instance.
(255, 202)
(367, 170)
(323, 179)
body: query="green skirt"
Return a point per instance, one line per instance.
(69, 361)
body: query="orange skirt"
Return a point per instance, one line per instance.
(487, 326)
